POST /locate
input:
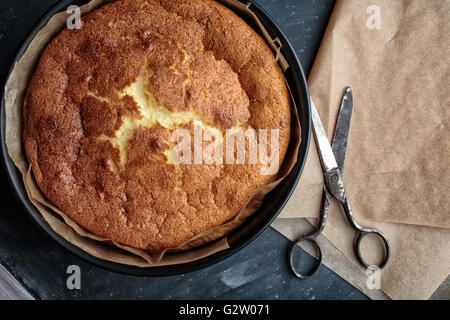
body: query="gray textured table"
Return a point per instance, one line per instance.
(257, 272)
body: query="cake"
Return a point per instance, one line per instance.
(105, 101)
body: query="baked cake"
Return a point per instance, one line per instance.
(105, 100)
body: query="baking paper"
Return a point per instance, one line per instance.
(394, 55)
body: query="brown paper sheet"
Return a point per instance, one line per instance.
(350, 270)
(420, 257)
(398, 160)
(100, 247)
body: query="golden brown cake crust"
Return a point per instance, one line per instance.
(192, 57)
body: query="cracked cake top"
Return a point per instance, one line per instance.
(105, 100)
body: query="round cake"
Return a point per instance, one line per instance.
(110, 102)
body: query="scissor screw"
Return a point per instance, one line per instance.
(334, 178)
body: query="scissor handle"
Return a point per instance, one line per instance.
(363, 232)
(311, 239)
(357, 247)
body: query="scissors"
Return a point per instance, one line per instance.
(332, 159)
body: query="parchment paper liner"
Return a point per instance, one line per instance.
(99, 247)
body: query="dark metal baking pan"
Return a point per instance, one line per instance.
(240, 237)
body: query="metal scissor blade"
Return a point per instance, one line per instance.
(325, 152)
(342, 130)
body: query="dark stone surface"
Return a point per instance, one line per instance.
(257, 272)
